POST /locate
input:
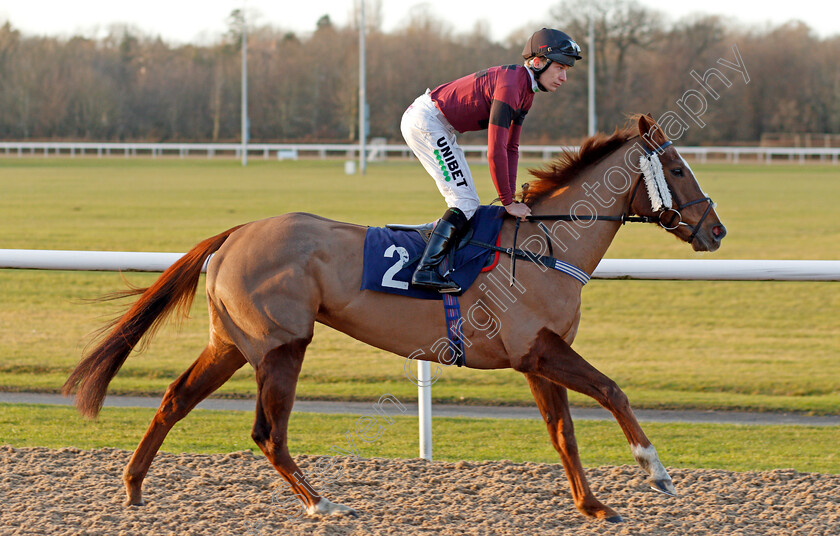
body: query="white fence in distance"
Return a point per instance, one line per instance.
(375, 151)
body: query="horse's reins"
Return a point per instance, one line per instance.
(623, 218)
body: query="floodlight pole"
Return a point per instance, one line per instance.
(244, 91)
(362, 90)
(592, 123)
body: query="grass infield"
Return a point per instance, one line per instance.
(735, 448)
(746, 345)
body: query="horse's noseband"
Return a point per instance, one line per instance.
(694, 228)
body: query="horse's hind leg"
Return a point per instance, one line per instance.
(214, 366)
(553, 403)
(277, 376)
(551, 358)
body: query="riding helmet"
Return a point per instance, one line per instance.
(553, 45)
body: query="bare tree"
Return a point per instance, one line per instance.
(129, 86)
(625, 32)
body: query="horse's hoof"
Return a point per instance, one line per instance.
(615, 519)
(343, 511)
(664, 486)
(327, 508)
(139, 502)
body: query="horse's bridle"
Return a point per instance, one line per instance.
(624, 218)
(670, 226)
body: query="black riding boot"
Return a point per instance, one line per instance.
(448, 229)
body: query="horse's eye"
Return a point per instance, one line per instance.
(677, 172)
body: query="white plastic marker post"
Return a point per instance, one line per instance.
(718, 269)
(126, 261)
(424, 400)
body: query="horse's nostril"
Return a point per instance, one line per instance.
(719, 231)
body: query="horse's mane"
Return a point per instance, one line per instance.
(569, 164)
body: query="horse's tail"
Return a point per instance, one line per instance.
(175, 289)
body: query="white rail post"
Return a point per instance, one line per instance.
(424, 400)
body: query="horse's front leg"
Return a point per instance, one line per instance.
(550, 357)
(554, 407)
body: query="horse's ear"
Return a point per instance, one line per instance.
(645, 124)
(650, 132)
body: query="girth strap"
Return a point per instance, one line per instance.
(452, 312)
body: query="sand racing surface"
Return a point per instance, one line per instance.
(71, 491)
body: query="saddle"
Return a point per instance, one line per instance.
(391, 254)
(425, 230)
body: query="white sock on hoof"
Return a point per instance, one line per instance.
(649, 460)
(325, 507)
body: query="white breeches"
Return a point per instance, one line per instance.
(432, 139)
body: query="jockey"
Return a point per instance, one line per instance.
(495, 99)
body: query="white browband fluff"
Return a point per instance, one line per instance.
(657, 188)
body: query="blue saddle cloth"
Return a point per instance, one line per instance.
(391, 256)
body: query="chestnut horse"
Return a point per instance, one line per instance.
(271, 280)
